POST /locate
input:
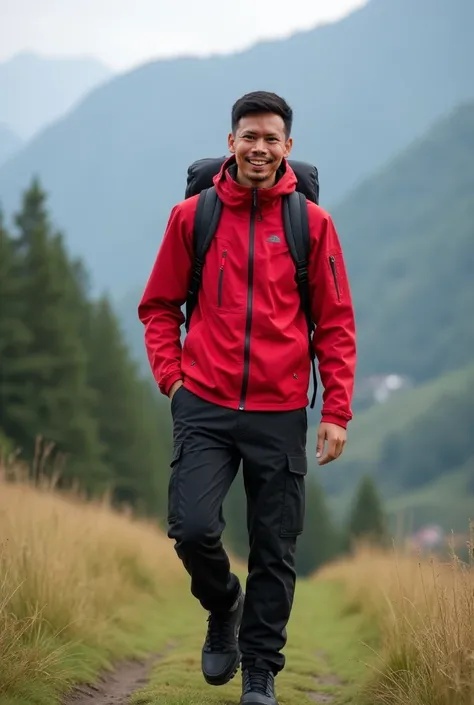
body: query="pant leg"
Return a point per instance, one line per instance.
(204, 464)
(273, 447)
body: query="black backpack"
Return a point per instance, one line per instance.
(295, 218)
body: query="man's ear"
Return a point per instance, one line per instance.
(288, 147)
(231, 142)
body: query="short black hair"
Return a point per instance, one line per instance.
(262, 102)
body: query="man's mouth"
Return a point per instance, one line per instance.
(258, 162)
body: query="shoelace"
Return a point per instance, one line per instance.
(257, 680)
(218, 634)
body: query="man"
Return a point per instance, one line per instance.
(238, 389)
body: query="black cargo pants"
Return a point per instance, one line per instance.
(210, 442)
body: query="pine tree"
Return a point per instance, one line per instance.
(14, 339)
(55, 392)
(128, 420)
(154, 438)
(318, 543)
(366, 518)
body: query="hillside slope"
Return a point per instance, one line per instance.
(420, 450)
(361, 88)
(36, 90)
(408, 236)
(9, 143)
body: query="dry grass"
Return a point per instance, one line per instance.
(82, 586)
(425, 610)
(70, 573)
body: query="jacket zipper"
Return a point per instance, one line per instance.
(221, 279)
(332, 262)
(248, 325)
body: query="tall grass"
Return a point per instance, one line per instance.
(74, 578)
(425, 611)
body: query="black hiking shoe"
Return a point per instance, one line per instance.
(221, 653)
(258, 687)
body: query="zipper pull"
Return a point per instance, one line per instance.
(332, 262)
(254, 197)
(224, 255)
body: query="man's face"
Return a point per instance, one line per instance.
(259, 145)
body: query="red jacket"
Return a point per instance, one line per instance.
(247, 346)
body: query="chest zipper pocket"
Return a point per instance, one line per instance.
(220, 283)
(332, 262)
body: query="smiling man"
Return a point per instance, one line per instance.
(238, 387)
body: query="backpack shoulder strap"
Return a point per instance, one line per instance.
(295, 219)
(206, 220)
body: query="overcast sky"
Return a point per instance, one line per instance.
(126, 32)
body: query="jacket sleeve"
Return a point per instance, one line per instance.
(334, 339)
(165, 293)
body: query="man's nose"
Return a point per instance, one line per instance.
(260, 145)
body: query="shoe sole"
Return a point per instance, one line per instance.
(257, 700)
(225, 677)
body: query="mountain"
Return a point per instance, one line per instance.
(408, 236)
(361, 88)
(36, 90)
(9, 143)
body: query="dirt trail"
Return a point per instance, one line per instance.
(330, 679)
(116, 687)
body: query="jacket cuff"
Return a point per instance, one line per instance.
(169, 381)
(338, 420)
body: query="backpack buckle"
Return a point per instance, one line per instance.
(302, 273)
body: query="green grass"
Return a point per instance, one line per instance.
(138, 631)
(323, 642)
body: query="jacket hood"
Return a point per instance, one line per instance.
(234, 194)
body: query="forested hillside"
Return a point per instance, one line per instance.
(419, 448)
(361, 88)
(70, 397)
(408, 236)
(414, 297)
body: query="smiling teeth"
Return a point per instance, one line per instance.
(257, 163)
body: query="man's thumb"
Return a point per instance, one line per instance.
(320, 443)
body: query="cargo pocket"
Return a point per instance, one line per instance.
(173, 496)
(292, 519)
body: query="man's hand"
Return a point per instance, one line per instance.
(174, 388)
(336, 438)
